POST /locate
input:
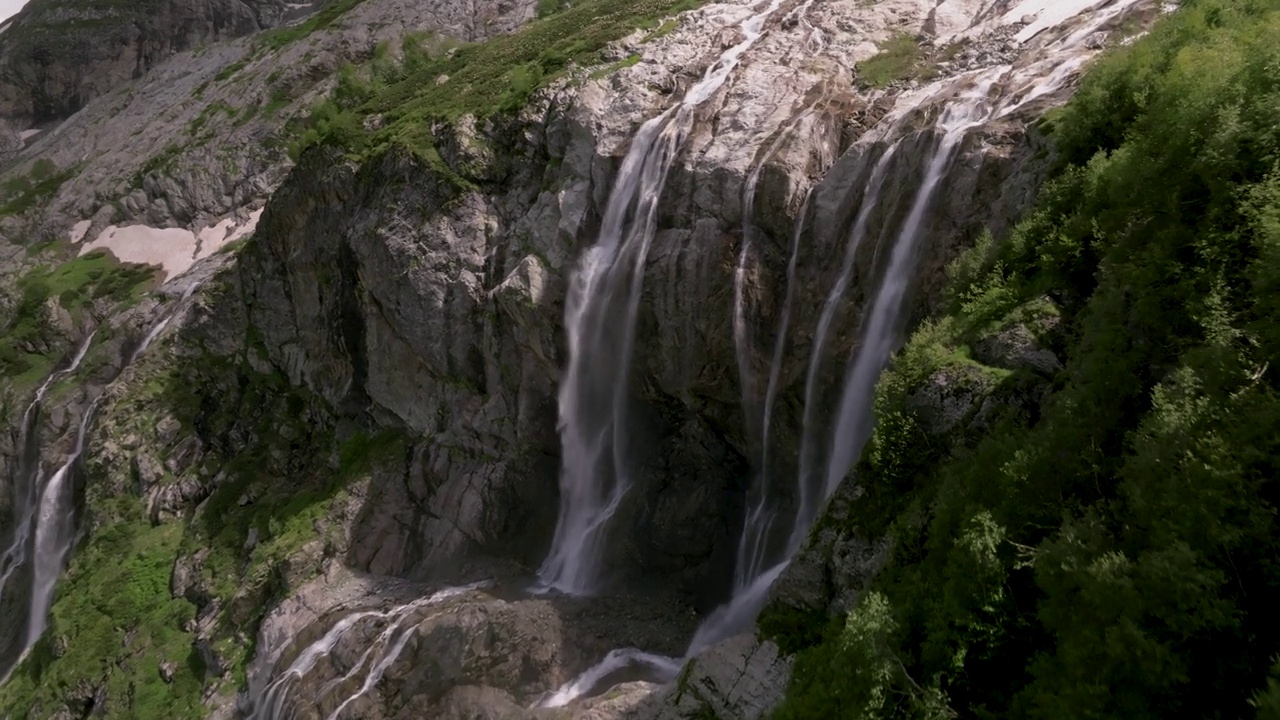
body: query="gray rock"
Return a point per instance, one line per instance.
(57, 54)
(949, 397)
(741, 678)
(1016, 348)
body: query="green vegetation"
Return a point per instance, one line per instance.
(550, 7)
(227, 72)
(1111, 550)
(900, 58)
(162, 162)
(666, 28)
(608, 70)
(114, 605)
(278, 101)
(330, 13)
(280, 475)
(76, 284)
(23, 192)
(210, 111)
(441, 83)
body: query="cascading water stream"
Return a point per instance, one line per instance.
(758, 523)
(813, 488)
(600, 317)
(272, 702)
(880, 335)
(806, 500)
(55, 532)
(600, 313)
(615, 661)
(48, 524)
(26, 485)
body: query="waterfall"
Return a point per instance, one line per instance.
(616, 660)
(600, 316)
(883, 320)
(758, 523)
(47, 505)
(879, 334)
(806, 498)
(756, 526)
(55, 531)
(25, 485)
(826, 458)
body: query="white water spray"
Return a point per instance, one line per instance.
(664, 667)
(55, 531)
(758, 522)
(807, 499)
(600, 317)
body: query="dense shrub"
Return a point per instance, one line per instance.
(1116, 555)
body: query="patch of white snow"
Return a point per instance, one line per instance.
(76, 234)
(173, 249)
(1048, 14)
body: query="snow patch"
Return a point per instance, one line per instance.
(78, 230)
(1048, 14)
(174, 250)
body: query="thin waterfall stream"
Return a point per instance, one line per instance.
(271, 702)
(46, 532)
(26, 490)
(747, 601)
(600, 318)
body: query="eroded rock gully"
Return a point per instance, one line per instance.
(402, 297)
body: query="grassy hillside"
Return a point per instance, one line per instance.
(1113, 551)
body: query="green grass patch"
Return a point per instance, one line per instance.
(230, 70)
(211, 111)
(484, 79)
(329, 14)
(550, 7)
(160, 163)
(21, 194)
(76, 284)
(115, 622)
(92, 276)
(667, 27)
(278, 100)
(900, 58)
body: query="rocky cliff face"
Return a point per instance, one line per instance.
(60, 54)
(358, 406)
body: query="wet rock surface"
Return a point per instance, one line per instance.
(484, 648)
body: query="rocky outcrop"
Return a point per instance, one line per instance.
(59, 54)
(742, 677)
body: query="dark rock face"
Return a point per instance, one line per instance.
(57, 55)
